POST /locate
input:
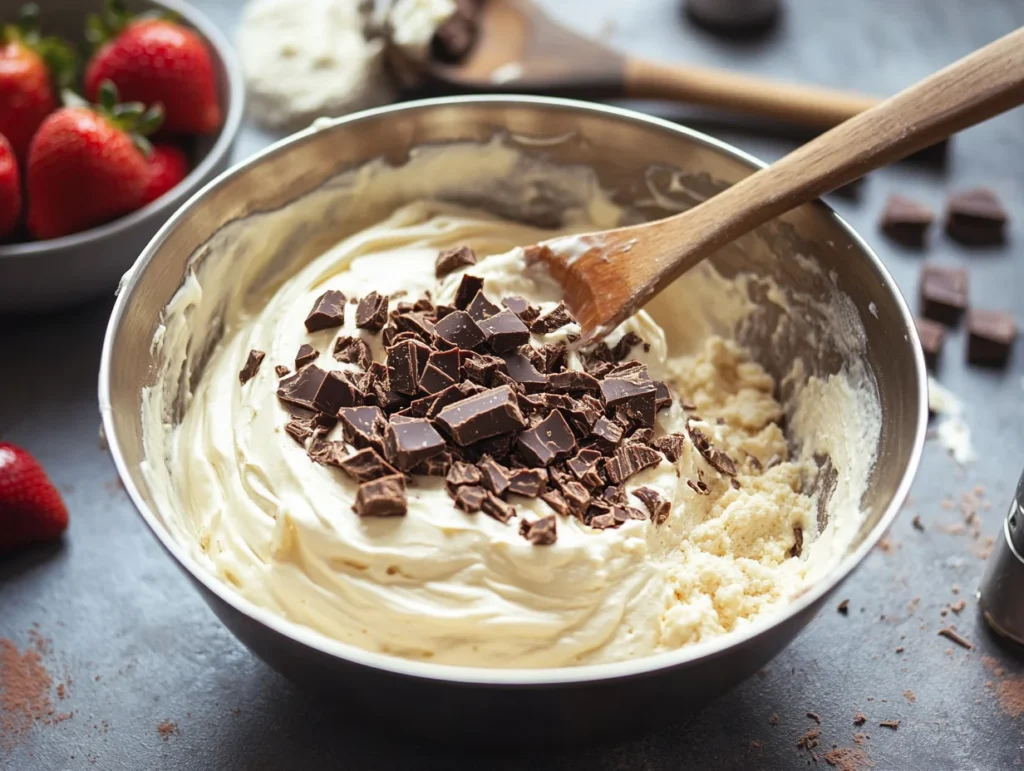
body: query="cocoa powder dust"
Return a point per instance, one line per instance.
(25, 686)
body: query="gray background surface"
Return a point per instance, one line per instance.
(142, 649)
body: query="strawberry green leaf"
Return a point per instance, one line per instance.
(72, 99)
(58, 55)
(108, 95)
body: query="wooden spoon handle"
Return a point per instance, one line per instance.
(808, 106)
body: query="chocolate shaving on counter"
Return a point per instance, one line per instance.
(990, 337)
(943, 293)
(281, 370)
(305, 355)
(527, 313)
(951, 634)
(906, 221)
(452, 259)
(540, 532)
(554, 319)
(252, 366)
(372, 312)
(410, 441)
(384, 497)
(657, 506)
(365, 465)
(328, 311)
(976, 218)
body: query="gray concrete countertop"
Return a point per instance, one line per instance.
(151, 680)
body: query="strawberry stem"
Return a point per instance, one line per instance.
(59, 56)
(100, 28)
(133, 118)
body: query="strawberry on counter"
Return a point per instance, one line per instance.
(29, 64)
(88, 164)
(31, 509)
(155, 60)
(10, 189)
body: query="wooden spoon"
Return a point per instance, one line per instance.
(606, 276)
(520, 49)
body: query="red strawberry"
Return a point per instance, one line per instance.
(155, 60)
(87, 165)
(10, 189)
(31, 509)
(28, 64)
(167, 167)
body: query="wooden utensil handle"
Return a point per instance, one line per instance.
(809, 106)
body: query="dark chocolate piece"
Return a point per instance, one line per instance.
(494, 507)
(584, 467)
(494, 476)
(403, 368)
(605, 521)
(453, 259)
(325, 452)
(504, 331)
(449, 362)
(372, 312)
(540, 532)
(976, 217)
(353, 350)
(384, 497)
(410, 441)
(943, 293)
(528, 482)
(459, 330)
(607, 433)
(554, 319)
(555, 356)
(365, 465)
(521, 370)
(699, 486)
(439, 401)
(434, 466)
(363, 426)
(626, 344)
(628, 460)
(548, 441)
(717, 459)
(933, 337)
(281, 370)
(499, 447)
(299, 430)
(990, 337)
(418, 324)
(433, 380)
(556, 501)
(469, 286)
(305, 355)
(470, 498)
(455, 37)
(571, 381)
(493, 412)
(252, 366)
(635, 397)
(301, 388)
(662, 396)
(480, 368)
(424, 304)
(462, 473)
(670, 445)
(582, 414)
(527, 313)
(335, 392)
(481, 308)
(906, 221)
(328, 311)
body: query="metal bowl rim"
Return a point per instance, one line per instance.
(483, 676)
(171, 200)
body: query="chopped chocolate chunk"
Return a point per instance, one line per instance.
(584, 467)
(494, 507)
(605, 521)
(699, 486)
(353, 350)
(403, 368)
(554, 319)
(410, 441)
(305, 355)
(615, 494)
(548, 441)
(324, 452)
(657, 505)
(976, 217)
(441, 311)
(281, 370)
(952, 635)
(372, 312)
(628, 460)
(299, 430)
(582, 414)
(906, 221)
(481, 308)
(365, 465)
(521, 370)
(493, 412)
(671, 446)
(252, 366)
(556, 501)
(717, 459)
(555, 357)
(429, 406)
(518, 305)
(480, 369)
(301, 388)
(599, 354)
(528, 482)
(536, 357)
(424, 304)
(642, 435)
(798, 542)
(576, 497)
(540, 532)
(459, 330)
(453, 259)
(449, 362)
(572, 381)
(363, 426)
(943, 293)
(504, 331)
(626, 344)
(462, 473)
(469, 286)
(470, 498)
(608, 434)
(626, 513)
(328, 311)
(499, 447)
(990, 336)
(433, 380)
(383, 497)
(933, 337)
(418, 324)
(635, 397)
(435, 466)
(662, 397)
(335, 392)
(494, 476)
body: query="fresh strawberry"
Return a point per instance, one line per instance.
(168, 165)
(155, 60)
(29, 64)
(87, 165)
(31, 509)
(10, 189)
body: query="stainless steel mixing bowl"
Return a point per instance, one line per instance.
(628, 151)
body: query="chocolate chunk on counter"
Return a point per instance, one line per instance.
(328, 311)
(372, 312)
(990, 337)
(572, 381)
(976, 218)
(305, 355)
(452, 259)
(607, 434)
(670, 445)
(628, 460)
(518, 305)
(301, 388)
(540, 532)
(554, 319)
(384, 497)
(469, 286)
(933, 337)
(410, 441)
(528, 482)
(943, 293)
(494, 476)
(657, 505)
(504, 331)
(251, 367)
(403, 368)
(494, 507)
(521, 370)
(548, 441)
(635, 397)
(493, 412)
(363, 426)
(906, 221)
(470, 498)
(459, 330)
(335, 391)
(365, 465)
(481, 308)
